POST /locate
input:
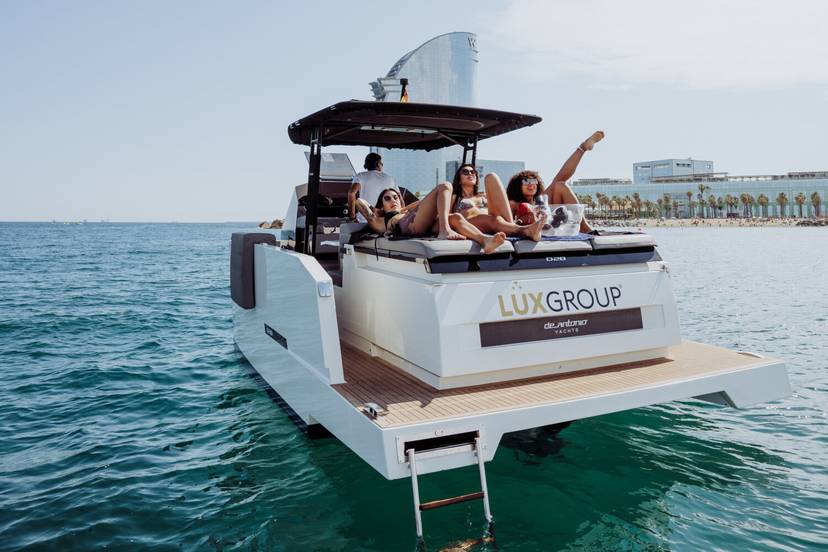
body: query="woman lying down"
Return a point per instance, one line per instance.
(432, 214)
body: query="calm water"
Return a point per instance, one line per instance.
(129, 421)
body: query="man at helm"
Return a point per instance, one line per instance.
(368, 184)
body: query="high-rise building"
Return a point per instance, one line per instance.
(441, 71)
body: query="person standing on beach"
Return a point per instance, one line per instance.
(368, 184)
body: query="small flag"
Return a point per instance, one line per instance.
(404, 93)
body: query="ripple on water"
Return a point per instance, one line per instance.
(132, 423)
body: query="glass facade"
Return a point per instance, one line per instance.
(441, 71)
(645, 170)
(719, 186)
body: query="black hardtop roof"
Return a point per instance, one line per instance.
(415, 126)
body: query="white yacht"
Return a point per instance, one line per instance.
(420, 354)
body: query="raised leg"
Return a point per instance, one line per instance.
(496, 196)
(567, 170)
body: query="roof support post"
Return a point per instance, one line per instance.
(312, 201)
(470, 146)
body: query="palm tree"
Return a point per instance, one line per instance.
(711, 201)
(603, 201)
(816, 201)
(782, 200)
(648, 207)
(660, 206)
(745, 199)
(690, 206)
(667, 202)
(720, 204)
(637, 204)
(702, 189)
(731, 202)
(800, 199)
(763, 201)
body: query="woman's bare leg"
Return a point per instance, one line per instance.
(567, 170)
(559, 193)
(433, 207)
(464, 227)
(496, 197)
(490, 223)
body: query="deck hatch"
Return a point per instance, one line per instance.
(509, 332)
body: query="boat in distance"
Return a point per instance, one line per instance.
(419, 354)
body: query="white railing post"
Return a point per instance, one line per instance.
(483, 486)
(415, 490)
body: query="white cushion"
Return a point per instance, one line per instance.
(623, 241)
(431, 248)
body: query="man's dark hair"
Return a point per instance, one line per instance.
(372, 161)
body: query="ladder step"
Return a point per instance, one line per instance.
(449, 501)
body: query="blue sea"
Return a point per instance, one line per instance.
(130, 422)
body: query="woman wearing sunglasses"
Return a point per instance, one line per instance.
(423, 217)
(490, 212)
(525, 187)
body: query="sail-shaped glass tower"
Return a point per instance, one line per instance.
(441, 71)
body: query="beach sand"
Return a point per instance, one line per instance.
(699, 223)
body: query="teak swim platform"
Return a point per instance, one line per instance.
(406, 400)
(420, 354)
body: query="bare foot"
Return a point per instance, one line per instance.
(533, 231)
(450, 235)
(490, 243)
(590, 142)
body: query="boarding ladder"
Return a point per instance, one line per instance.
(482, 494)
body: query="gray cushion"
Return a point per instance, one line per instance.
(623, 241)
(551, 246)
(345, 231)
(431, 248)
(242, 285)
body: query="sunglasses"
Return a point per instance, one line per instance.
(467, 172)
(390, 198)
(530, 181)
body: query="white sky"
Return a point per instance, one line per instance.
(159, 111)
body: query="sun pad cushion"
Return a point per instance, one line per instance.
(432, 248)
(622, 241)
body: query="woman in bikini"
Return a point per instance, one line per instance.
(490, 212)
(422, 217)
(526, 186)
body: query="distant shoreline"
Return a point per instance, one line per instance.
(711, 223)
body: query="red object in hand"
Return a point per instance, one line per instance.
(525, 214)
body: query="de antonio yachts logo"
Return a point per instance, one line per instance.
(518, 302)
